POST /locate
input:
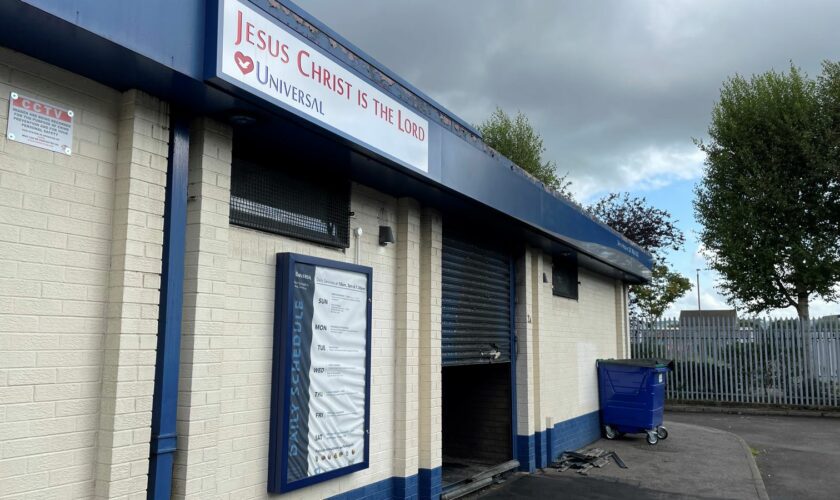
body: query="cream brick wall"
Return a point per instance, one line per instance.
(80, 250)
(61, 310)
(430, 396)
(246, 349)
(622, 318)
(525, 339)
(204, 317)
(407, 336)
(572, 335)
(55, 232)
(133, 297)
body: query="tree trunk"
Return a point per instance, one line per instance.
(802, 307)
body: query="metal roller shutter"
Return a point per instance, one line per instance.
(476, 316)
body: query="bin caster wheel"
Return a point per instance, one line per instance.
(652, 438)
(662, 432)
(609, 432)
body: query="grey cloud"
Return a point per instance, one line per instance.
(604, 82)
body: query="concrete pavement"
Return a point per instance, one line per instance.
(694, 462)
(799, 457)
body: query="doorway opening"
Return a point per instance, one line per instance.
(477, 360)
(476, 419)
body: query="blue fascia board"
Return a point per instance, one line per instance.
(179, 27)
(120, 52)
(478, 176)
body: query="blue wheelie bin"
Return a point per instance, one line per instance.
(632, 397)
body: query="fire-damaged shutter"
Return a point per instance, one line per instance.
(476, 308)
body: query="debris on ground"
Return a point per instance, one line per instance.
(583, 461)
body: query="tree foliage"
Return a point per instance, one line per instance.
(654, 230)
(516, 139)
(769, 201)
(665, 287)
(650, 227)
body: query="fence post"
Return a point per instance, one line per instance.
(834, 364)
(731, 395)
(726, 361)
(707, 360)
(692, 378)
(739, 363)
(698, 358)
(803, 366)
(782, 359)
(809, 363)
(791, 360)
(820, 386)
(764, 364)
(779, 362)
(686, 366)
(754, 366)
(715, 337)
(797, 339)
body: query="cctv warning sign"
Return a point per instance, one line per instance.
(39, 124)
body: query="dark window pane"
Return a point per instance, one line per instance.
(564, 278)
(270, 199)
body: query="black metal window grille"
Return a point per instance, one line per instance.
(272, 200)
(564, 278)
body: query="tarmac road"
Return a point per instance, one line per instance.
(798, 457)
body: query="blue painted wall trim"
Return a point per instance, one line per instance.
(549, 441)
(575, 433)
(405, 488)
(538, 450)
(568, 435)
(424, 485)
(526, 453)
(165, 399)
(379, 490)
(430, 483)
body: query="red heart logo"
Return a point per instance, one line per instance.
(245, 63)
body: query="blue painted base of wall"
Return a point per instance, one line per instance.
(542, 448)
(426, 485)
(431, 483)
(535, 451)
(526, 453)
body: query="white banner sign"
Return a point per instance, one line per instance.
(39, 124)
(268, 60)
(337, 374)
(319, 417)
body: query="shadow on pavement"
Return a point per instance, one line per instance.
(572, 486)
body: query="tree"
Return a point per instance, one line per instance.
(516, 139)
(665, 287)
(769, 200)
(654, 230)
(650, 227)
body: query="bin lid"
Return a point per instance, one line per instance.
(643, 362)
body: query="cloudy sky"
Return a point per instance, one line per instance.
(618, 89)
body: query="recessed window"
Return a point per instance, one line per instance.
(270, 198)
(564, 278)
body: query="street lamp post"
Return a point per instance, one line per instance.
(698, 289)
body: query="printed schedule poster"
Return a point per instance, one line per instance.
(324, 335)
